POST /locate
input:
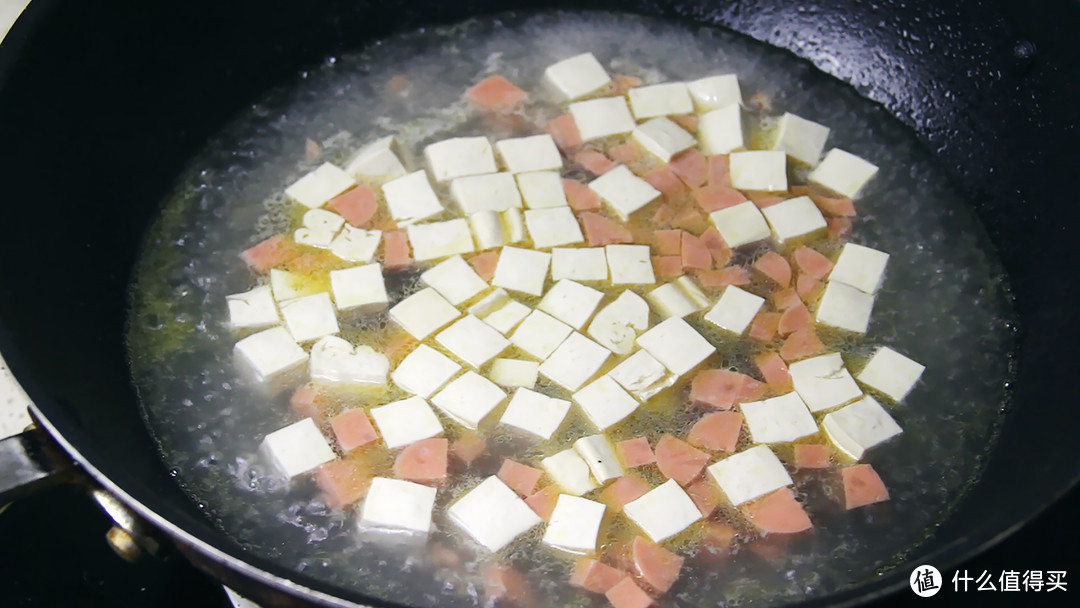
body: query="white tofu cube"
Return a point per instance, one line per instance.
(860, 267)
(320, 227)
(735, 310)
(823, 382)
(741, 224)
(256, 308)
(663, 511)
(424, 370)
(642, 375)
(629, 264)
(670, 301)
(513, 373)
(602, 117)
(468, 398)
(493, 301)
(860, 426)
(423, 312)
(616, 325)
(574, 524)
(540, 334)
(778, 419)
(356, 244)
(288, 285)
(660, 100)
(721, 130)
(569, 471)
(360, 289)
(296, 449)
(802, 139)
(337, 361)
(574, 362)
(487, 229)
(845, 307)
(676, 345)
(663, 138)
(571, 302)
(891, 373)
(535, 413)
(522, 270)
(843, 173)
(454, 279)
(310, 317)
(270, 352)
(506, 318)
(605, 402)
(513, 223)
(472, 341)
(410, 198)
(436, 240)
(759, 170)
(579, 264)
(715, 92)
(623, 191)
(576, 77)
(748, 474)
(597, 452)
(321, 185)
(533, 153)
(487, 192)
(397, 504)
(377, 161)
(691, 290)
(406, 421)
(459, 157)
(794, 218)
(553, 227)
(541, 190)
(492, 514)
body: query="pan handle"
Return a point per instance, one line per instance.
(31, 461)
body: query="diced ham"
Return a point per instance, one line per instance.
(398, 345)
(343, 482)
(764, 326)
(313, 262)
(834, 205)
(784, 299)
(600, 230)
(719, 249)
(626, 594)
(495, 93)
(752, 390)
(839, 228)
(594, 161)
(689, 219)
(795, 318)
(807, 287)
(353, 429)
(714, 198)
(775, 371)
(694, 253)
(774, 266)
(635, 452)
(312, 150)
(863, 486)
(667, 266)
(716, 431)
(625, 489)
(580, 196)
(706, 496)
(396, 252)
(308, 401)
(720, 170)
(624, 82)
(543, 502)
(812, 262)
(595, 576)
(564, 131)
(811, 456)
(274, 251)
(397, 83)
(722, 388)
(654, 564)
(444, 556)
(764, 200)
(484, 264)
(686, 121)
(422, 461)
(468, 446)
(505, 585)
(716, 538)
(665, 180)
(691, 167)
(668, 242)
(778, 513)
(679, 460)
(801, 344)
(663, 215)
(730, 275)
(520, 477)
(357, 206)
(627, 153)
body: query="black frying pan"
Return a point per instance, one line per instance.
(102, 105)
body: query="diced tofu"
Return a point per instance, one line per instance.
(319, 228)
(459, 157)
(660, 100)
(677, 345)
(663, 511)
(468, 398)
(579, 264)
(513, 225)
(843, 173)
(535, 413)
(513, 373)
(492, 514)
(360, 289)
(336, 360)
(629, 264)
(802, 139)
(741, 224)
(616, 325)
(377, 161)
(860, 426)
(642, 375)
(735, 310)
(487, 192)
(597, 452)
(356, 244)
(533, 153)
(321, 185)
(540, 334)
(823, 382)
(605, 402)
(778, 419)
(715, 92)
(552, 227)
(507, 317)
(405, 421)
(721, 130)
(794, 218)
(287, 285)
(691, 290)
(424, 370)
(541, 190)
(398, 504)
(670, 301)
(623, 191)
(891, 373)
(487, 229)
(576, 77)
(522, 270)
(574, 362)
(256, 308)
(310, 317)
(748, 474)
(454, 279)
(296, 449)
(602, 117)
(570, 302)
(860, 267)
(423, 313)
(410, 198)
(270, 352)
(574, 524)
(845, 307)
(569, 471)
(472, 341)
(436, 240)
(759, 170)
(662, 137)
